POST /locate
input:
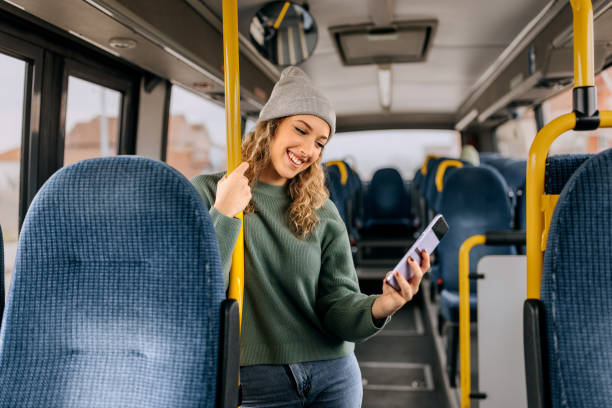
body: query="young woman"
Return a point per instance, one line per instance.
(303, 310)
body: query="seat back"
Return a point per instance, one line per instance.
(345, 189)
(117, 291)
(429, 186)
(473, 201)
(431, 191)
(445, 173)
(577, 287)
(560, 168)
(416, 199)
(514, 172)
(336, 194)
(386, 197)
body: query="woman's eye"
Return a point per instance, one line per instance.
(320, 145)
(300, 131)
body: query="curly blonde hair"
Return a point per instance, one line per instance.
(307, 189)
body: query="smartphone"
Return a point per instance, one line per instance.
(428, 240)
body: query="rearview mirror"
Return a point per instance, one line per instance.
(284, 33)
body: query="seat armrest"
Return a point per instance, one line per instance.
(228, 390)
(536, 373)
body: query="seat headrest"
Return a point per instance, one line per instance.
(386, 194)
(475, 190)
(560, 168)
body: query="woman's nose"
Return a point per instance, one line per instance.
(308, 151)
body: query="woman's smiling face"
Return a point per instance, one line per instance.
(297, 144)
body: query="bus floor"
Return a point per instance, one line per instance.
(401, 365)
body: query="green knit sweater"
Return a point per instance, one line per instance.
(302, 300)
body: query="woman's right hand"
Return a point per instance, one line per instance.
(233, 192)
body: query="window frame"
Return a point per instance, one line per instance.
(108, 78)
(32, 56)
(50, 53)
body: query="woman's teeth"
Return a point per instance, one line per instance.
(295, 159)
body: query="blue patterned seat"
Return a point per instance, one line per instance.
(473, 202)
(577, 286)
(387, 205)
(117, 291)
(560, 168)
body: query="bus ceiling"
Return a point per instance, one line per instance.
(474, 73)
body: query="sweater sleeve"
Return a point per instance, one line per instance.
(226, 228)
(342, 308)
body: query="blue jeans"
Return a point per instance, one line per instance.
(326, 384)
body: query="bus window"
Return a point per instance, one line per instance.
(12, 78)
(514, 137)
(196, 134)
(367, 151)
(92, 121)
(582, 142)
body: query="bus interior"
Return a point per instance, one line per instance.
(438, 105)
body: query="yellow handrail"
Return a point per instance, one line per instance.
(281, 15)
(536, 168)
(342, 168)
(584, 71)
(539, 206)
(464, 316)
(424, 166)
(442, 169)
(233, 134)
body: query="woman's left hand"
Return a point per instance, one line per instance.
(391, 300)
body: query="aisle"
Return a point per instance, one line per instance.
(400, 366)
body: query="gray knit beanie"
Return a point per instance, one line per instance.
(294, 94)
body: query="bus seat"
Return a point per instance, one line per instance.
(431, 191)
(428, 183)
(418, 177)
(560, 168)
(415, 197)
(345, 188)
(430, 179)
(473, 201)
(576, 286)
(447, 173)
(334, 185)
(387, 204)
(355, 191)
(514, 173)
(496, 161)
(117, 293)
(486, 157)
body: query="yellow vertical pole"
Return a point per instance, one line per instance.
(584, 76)
(465, 370)
(584, 66)
(232, 121)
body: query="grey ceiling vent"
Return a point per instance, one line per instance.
(403, 41)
